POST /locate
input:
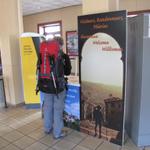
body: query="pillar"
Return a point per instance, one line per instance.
(10, 29)
(98, 6)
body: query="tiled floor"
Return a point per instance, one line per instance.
(22, 128)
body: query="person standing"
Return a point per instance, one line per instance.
(98, 117)
(54, 97)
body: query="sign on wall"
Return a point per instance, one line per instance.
(72, 43)
(102, 45)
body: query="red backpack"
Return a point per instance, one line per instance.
(48, 53)
(50, 68)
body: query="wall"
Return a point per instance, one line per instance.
(95, 6)
(134, 5)
(67, 15)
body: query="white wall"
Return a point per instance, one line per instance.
(134, 5)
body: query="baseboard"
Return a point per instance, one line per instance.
(33, 106)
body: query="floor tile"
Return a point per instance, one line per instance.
(5, 130)
(37, 134)
(16, 122)
(2, 116)
(9, 121)
(91, 142)
(68, 130)
(49, 140)
(26, 129)
(3, 143)
(80, 148)
(75, 137)
(17, 125)
(32, 111)
(64, 145)
(129, 148)
(13, 136)
(36, 123)
(20, 116)
(24, 142)
(10, 147)
(129, 145)
(32, 117)
(108, 146)
(11, 112)
(37, 146)
(124, 148)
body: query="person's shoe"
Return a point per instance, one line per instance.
(63, 134)
(48, 132)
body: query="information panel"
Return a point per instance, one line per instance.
(102, 46)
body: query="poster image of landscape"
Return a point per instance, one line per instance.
(72, 107)
(102, 44)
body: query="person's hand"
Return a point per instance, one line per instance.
(37, 90)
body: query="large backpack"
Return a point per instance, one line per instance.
(51, 68)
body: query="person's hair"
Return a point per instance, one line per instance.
(59, 40)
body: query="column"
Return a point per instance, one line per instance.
(10, 29)
(94, 6)
(97, 6)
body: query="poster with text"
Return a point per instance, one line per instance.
(29, 51)
(102, 46)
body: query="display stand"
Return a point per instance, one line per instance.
(5, 103)
(137, 111)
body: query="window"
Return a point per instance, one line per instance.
(50, 29)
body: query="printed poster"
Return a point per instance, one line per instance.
(102, 46)
(72, 107)
(29, 50)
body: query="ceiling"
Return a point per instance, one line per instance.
(36, 6)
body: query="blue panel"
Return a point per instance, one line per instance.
(32, 106)
(72, 102)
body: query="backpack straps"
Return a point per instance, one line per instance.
(67, 67)
(57, 81)
(38, 68)
(52, 65)
(67, 64)
(51, 60)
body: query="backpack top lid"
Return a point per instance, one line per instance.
(51, 46)
(48, 49)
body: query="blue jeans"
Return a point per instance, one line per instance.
(53, 112)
